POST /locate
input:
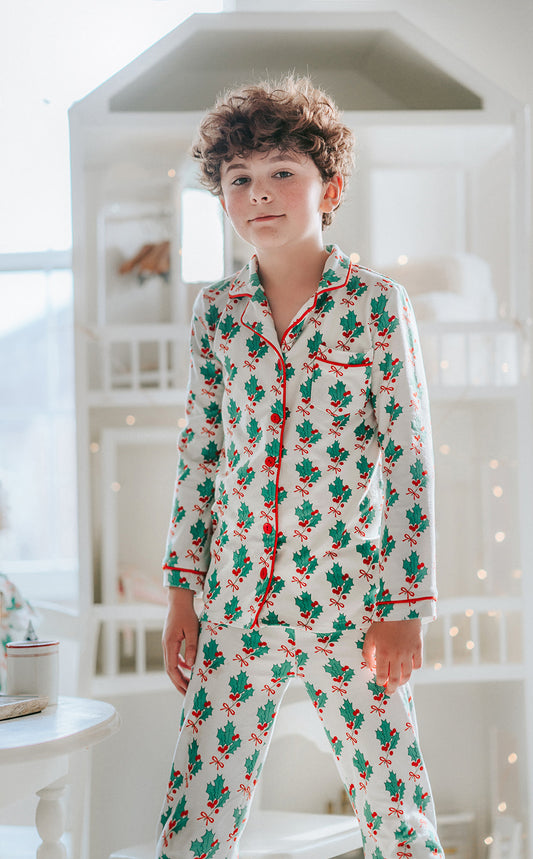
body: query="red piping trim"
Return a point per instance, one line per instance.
(397, 602)
(276, 350)
(317, 293)
(184, 570)
(366, 363)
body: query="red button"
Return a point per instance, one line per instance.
(270, 461)
(275, 418)
(267, 528)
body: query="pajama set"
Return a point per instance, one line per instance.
(303, 512)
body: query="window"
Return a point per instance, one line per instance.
(38, 513)
(202, 227)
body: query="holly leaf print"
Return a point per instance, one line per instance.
(341, 583)
(340, 491)
(340, 673)
(364, 768)
(340, 396)
(310, 609)
(418, 520)
(232, 609)
(228, 740)
(405, 835)
(265, 715)
(218, 793)
(307, 433)
(213, 657)
(317, 696)
(373, 820)
(395, 787)
(421, 799)
(353, 718)
(204, 848)
(241, 688)
(339, 534)
(414, 569)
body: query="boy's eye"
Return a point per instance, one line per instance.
(240, 180)
(283, 174)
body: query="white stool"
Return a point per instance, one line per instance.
(283, 835)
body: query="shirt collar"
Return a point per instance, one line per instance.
(336, 270)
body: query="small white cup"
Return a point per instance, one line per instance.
(33, 668)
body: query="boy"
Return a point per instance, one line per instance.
(303, 506)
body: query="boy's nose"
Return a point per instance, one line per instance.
(259, 194)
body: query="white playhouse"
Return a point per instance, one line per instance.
(438, 201)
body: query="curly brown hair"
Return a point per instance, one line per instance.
(291, 115)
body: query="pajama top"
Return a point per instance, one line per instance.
(304, 492)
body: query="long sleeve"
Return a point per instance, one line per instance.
(199, 445)
(399, 397)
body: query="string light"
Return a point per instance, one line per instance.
(182, 422)
(444, 449)
(497, 491)
(94, 447)
(482, 575)
(115, 487)
(454, 630)
(403, 259)
(469, 612)
(470, 645)
(437, 666)
(494, 464)
(130, 420)
(488, 840)
(517, 574)
(444, 364)
(513, 757)
(499, 536)
(355, 258)
(171, 173)
(502, 807)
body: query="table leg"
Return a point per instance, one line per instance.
(50, 820)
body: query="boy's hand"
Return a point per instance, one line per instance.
(181, 624)
(392, 648)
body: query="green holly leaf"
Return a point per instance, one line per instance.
(353, 718)
(364, 768)
(395, 787)
(317, 697)
(218, 793)
(195, 761)
(241, 688)
(205, 847)
(339, 672)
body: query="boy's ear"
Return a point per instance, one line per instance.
(222, 203)
(332, 194)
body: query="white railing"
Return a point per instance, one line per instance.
(476, 639)
(128, 361)
(471, 355)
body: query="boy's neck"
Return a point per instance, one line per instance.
(299, 269)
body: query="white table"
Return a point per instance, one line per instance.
(34, 758)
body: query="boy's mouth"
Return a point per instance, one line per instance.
(262, 218)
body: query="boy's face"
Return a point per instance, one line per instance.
(276, 199)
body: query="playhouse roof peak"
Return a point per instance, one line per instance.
(368, 60)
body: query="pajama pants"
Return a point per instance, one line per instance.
(236, 686)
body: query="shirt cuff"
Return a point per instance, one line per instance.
(181, 578)
(424, 608)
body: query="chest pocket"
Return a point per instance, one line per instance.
(341, 381)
